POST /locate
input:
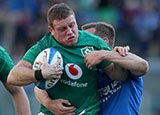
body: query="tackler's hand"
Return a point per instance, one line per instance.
(93, 58)
(123, 51)
(57, 107)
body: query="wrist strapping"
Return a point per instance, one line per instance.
(38, 75)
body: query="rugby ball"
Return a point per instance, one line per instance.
(52, 55)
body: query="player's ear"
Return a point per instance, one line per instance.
(106, 40)
(50, 28)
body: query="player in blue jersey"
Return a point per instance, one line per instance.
(116, 97)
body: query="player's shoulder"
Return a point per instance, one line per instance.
(46, 41)
(5, 57)
(3, 53)
(2, 50)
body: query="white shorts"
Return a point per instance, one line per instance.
(41, 113)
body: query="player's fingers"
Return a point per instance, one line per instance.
(123, 51)
(57, 72)
(115, 48)
(65, 102)
(69, 109)
(126, 50)
(57, 63)
(55, 76)
(120, 51)
(60, 69)
(70, 114)
(88, 65)
(85, 60)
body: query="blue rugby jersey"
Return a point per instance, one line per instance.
(119, 98)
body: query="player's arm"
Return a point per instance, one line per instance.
(55, 106)
(23, 74)
(133, 63)
(20, 99)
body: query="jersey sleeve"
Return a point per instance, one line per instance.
(137, 81)
(32, 53)
(6, 66)
(134, 77)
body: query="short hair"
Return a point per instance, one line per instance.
(102, 29)
(58, 12)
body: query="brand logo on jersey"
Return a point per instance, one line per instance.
(73, 71)
(108, 91)
(86, 50)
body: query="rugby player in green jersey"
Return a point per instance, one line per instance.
(80, 88)
(18, 94)
(107, 33)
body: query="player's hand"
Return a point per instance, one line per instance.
(51, 71)
(57, 107)
(93, 58)
(123, 51)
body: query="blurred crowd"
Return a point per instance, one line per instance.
(137, 22)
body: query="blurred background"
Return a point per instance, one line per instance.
(137, 23)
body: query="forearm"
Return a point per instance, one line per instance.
(42, 96)
(21, 74)
(21, 103)
(20, 99)
(55, 106)
(132, 62)
(116, 72)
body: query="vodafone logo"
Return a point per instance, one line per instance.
(73, 71)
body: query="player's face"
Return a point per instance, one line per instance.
(65, 31)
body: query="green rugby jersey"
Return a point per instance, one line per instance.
(78, 84)
(6, 65)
